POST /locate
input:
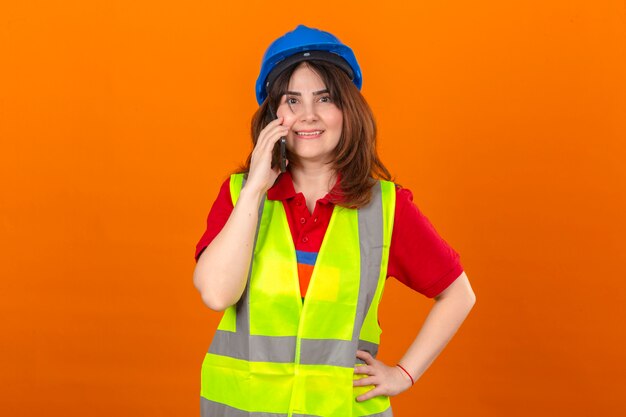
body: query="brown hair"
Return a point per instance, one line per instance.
(355, 156)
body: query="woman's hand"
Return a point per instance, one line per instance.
(388, 380)
(261, 175)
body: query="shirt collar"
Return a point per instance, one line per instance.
(283, 189)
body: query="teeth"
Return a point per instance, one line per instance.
(309, 133)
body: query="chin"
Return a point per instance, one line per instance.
(312, 157)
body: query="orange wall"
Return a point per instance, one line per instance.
(119, 121)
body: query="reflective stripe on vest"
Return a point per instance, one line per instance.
(210, 408)
(272, 354)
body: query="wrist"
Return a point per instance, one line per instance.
(251, 192)
(406, 374)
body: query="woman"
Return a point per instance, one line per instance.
(298, 260)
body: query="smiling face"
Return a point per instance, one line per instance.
(349, 137)
(315, 120)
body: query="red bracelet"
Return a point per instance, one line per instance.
(406, 372)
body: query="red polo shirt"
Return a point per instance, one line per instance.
(418, 256)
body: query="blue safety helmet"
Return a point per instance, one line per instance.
(303, 44)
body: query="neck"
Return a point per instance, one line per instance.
(319, 177)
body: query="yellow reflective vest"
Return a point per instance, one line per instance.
(274, 355)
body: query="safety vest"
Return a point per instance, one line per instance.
(274, 355)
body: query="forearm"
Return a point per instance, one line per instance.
(442, 322)
(222, 269)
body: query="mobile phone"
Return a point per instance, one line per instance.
(279, 153)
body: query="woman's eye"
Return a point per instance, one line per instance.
(326, 99)
(291, 100)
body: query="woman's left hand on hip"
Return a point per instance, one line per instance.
(387, 380)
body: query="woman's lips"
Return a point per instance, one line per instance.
(308, 134)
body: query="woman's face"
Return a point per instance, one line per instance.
(315, 121)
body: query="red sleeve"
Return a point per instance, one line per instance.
(219, 214)
(418, 256)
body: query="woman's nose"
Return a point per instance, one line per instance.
(308, 112)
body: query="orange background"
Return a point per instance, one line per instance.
(119, 121)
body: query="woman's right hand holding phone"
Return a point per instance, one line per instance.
(262, 176)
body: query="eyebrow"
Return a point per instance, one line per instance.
(315, 93)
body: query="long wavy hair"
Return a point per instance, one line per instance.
(355, 156)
